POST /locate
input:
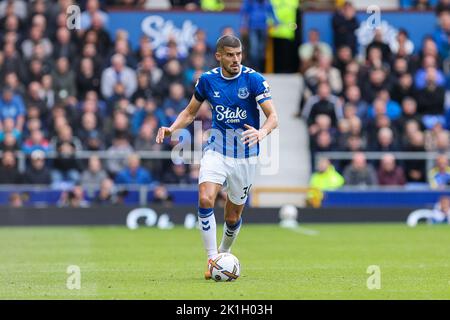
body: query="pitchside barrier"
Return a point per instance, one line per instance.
(167, 217)
(187, 195)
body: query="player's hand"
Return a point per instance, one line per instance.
(252, 136)
(163, 132)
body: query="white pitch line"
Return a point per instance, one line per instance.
(305, 231)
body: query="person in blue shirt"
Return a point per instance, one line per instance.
(234, 93)
(441, 211)
(254, 16)
(12, 106)
(134, 173)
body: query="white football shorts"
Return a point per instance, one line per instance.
(236, 174)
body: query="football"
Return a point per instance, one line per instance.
(225, 267)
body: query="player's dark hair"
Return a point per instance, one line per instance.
(228, 41)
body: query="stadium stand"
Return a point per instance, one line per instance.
(75, 104)
(388, 105)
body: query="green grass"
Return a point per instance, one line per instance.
(148, 263)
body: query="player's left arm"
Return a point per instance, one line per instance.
(252, 135)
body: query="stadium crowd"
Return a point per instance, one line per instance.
(385, 97)
(64, 91)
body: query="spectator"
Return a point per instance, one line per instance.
(359, 172)
(12, 61)
(9, 143)
(390, 174)
(122, 47)
(430, 99)
(118, 74)
(194, 71)
(12, 106)
(353, 96)
(8, 128)
(162, 197)
(422, 5)
(343, 59)
(322, 142)
(254, 16)
(16, 200)
(441, 211)
(148, 66)
(74, 198)
(438, 141)
(12, 81)
(441, 6)
(439, 176)
(323, 103)
(400, 67)
(92, 8)
(119, 149)
(107, 194)
(92, 137)
(144, 89)
(344, 24)
(326, 177)
(385, 141)
(323, 72)
(377, 82)
(313, 48)
(441, 34)
(94, 174)
(87, 78)
(380, 43)
(402, 46)
(66, 166)
(37, 173)
(409, 112)
(48, 93)
(98, 35)
(415, 169)
(177, 175)
(36, 38)
(381, 106)
(9, 174)
(443, 142)
(403, 88)
(175, 102)
(64, 80)
(420, 78)
(172, 73)
(18, 8)
(133, 173)
(35, 98)
(171, 51)
(64, 46)
(145, 141)
(118, 125)
(36, 141)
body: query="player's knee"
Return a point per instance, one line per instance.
(232, 219)
(206, 201)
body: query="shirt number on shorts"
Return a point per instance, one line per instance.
(246, 191)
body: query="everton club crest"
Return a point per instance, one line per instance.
(243, 93)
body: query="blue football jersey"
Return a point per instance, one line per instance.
(234, 102)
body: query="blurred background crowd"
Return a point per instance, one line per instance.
(383, 97)
(68, 91)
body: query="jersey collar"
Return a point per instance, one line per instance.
(232, 78)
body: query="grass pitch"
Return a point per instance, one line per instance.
(313, 262)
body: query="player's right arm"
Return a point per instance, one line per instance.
(184, 119)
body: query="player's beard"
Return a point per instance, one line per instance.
(231, 71)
